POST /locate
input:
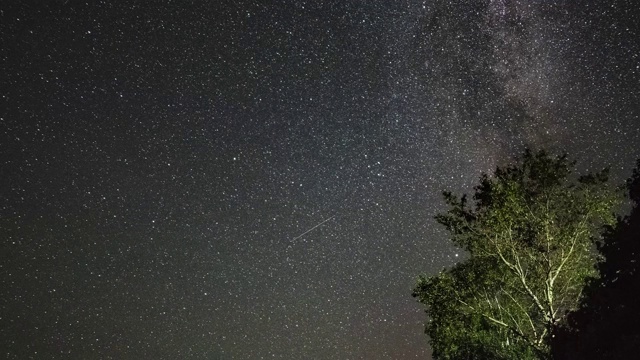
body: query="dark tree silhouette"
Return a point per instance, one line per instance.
(607, 326)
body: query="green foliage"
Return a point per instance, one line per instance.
(606, 324)
(458, 332)
(530, 240)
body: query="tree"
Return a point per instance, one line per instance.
(606, 325)
(530, 242)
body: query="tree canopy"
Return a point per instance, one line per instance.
(529, 233)
(606, 325)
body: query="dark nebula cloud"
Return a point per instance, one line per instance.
(161, 162)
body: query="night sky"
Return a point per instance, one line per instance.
(258, 179)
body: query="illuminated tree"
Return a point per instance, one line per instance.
(530, 237)
(606, 325)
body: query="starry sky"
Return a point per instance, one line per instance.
(257, 179)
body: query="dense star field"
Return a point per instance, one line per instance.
(258, 179)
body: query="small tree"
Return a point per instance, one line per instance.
(530, 240)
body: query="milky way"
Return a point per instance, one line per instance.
(247, 180)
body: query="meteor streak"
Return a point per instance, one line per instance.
(308, 231)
